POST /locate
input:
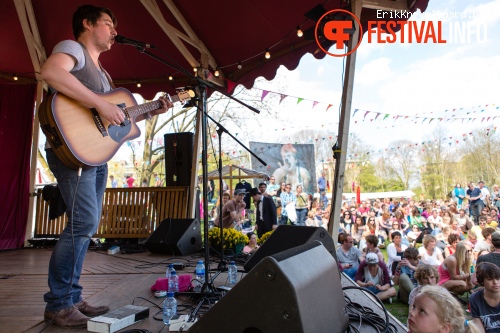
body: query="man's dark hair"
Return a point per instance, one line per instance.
(411, 253)
(372, 239)
(263, 184)
(343, 238)
(487, 270)
(487, 231)
(91, 14)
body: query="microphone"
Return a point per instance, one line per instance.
(127, 41)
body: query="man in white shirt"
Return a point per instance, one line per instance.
(485, 193)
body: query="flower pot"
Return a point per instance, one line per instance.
(239, 248)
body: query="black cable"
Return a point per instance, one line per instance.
(361, 314)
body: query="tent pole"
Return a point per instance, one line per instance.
(34, 159)
(343, 131)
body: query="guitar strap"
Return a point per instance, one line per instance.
(111, 84)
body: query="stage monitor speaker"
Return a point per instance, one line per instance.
(176, 236)
(288, 236)
(178, 158)
(295, 291)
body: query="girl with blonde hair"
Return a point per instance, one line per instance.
(454, 272)
(436, 311)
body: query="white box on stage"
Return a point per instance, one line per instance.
(117, 319)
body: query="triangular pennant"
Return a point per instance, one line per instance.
(300, 99)
(329, 106)
(264, 94)
(282, 97)
(315, 103)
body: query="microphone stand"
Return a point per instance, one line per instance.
(221, 129)
(208, 287)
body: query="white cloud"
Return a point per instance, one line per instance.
(375, 71)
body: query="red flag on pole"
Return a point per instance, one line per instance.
(358, 195)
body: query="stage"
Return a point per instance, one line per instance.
(113, 280)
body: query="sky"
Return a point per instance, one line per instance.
(396, 80)
(403, 79)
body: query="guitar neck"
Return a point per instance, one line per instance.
(137, 110)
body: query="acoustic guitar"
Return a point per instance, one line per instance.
(81, 138)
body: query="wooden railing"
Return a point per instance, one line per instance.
(126, 212)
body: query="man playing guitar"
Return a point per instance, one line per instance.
(74, 70)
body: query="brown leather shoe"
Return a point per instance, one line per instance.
(91, 311)
(69, 317)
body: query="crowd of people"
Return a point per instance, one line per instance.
(277, 205)
(452, 245)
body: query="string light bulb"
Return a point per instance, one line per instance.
(239, 65)
(15, 78)
(195, 69)
(216, 73)
(170, 77)
(268, 55)
(299, 32)
(138, 84)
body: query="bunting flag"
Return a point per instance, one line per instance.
(264, 94)
(329, 106)
(300, 99)
(315, 103)
(282, 97)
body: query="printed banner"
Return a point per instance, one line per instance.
(288, 163)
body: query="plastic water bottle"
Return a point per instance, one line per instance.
(200, 272)
(173, 282)
(169, 308)
(232, 273)
(170, 269)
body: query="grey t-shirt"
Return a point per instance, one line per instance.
(75, 50)
(351, 257)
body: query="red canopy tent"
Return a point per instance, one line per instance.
(208, 35)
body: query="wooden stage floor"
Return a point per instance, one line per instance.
(114, 280)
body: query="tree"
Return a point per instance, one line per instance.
(438, 166)
(480, 156)
(401, 161)
(221, 108)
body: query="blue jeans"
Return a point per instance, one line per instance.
(351, 272)
(283, 219)
(301, 216)
(475, 209)
(65, 289)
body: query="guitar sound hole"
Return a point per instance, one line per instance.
(117, 133)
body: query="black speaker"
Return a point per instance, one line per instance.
(178, 158)
(288, 236)
(295, 291)
(176, 236)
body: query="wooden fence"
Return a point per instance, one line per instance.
(126, 212)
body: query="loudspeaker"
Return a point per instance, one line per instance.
(288, 236)
(295, 291)
(176, 236)
(178, 158)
